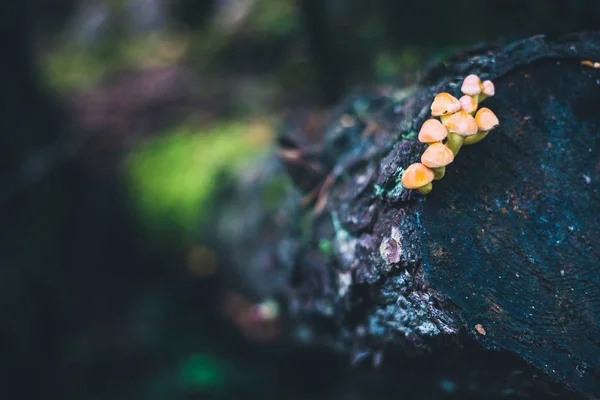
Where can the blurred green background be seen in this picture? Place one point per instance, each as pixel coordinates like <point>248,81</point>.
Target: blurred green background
<point>123,122</point>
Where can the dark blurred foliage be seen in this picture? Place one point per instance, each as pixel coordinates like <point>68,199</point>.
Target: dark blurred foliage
<point>343,38</point>
<point>52,15</point>
<point>193,13</point>
<point>86,311</point>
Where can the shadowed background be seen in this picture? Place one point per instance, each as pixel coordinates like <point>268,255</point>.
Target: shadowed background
<point>123,122</point>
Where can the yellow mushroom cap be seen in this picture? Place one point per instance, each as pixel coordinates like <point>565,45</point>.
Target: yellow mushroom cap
<point>468,104</point>
<point>444,103</point>
<point>471,85</point>
<point>437,155</point>
<point>416,176</point>
<point>461,123</point>
<point>432,131</point>
<point>486,119</point>
<point>488,88</point>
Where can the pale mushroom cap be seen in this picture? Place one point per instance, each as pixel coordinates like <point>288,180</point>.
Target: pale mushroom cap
<point>432,131</point>
<point>471,85</point>
<point>416,176</point>
<point>488,88</point>
<point>444,103</point>
<point>437,155</point>
<point>461,123</point>
<point>486,119</point>
<point>468,104</point>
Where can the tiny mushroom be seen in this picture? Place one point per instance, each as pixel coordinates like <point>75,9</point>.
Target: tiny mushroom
<point>432,131</point>
<point>468,104</point>
<point>460,126</point>
<point>436,157</point>
<point>471,85</point>
<point>444,105</point>
<point>486,120</point>
<point>418,176</point>
<point>488,88</point>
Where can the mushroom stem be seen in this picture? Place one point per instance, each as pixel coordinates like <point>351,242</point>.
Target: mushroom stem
<point>481,97</point>
<point>425,189</point>
<point>438,173</point>
<point>479,136</point>
<point>478,99</point>
<point>444,117</point>
<point>455,142</point>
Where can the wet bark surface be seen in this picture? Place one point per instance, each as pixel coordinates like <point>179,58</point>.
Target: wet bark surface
<point>510,232</point>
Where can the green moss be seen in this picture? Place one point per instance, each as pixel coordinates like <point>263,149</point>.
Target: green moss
<point>172,178</point>
<point>410,135</point>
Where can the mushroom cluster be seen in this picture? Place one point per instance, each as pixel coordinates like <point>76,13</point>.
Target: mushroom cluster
<point>459,124</point>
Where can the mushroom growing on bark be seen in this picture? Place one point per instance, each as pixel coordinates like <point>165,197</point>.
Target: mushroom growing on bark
<point>468,104</point>
<point>486,120</point>
<point>487,90</point>
<point>418,176</point>
<point>444,105</point>
<point>460,126</point>
<point>436,157</point>
<point>432,131</point>
<point>471,85</point>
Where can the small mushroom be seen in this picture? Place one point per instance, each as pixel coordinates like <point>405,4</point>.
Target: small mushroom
<point>436,157</point>
<point>432,131</point>
<point>488,88</point>
<point>486,120</point>
<point>471,85</point>
<point>444,105</point>
<point>460,126</point>
<point>468,104</point>
<point>418,176</point>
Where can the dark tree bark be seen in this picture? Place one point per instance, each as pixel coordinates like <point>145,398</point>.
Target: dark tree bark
<point>505,240</point>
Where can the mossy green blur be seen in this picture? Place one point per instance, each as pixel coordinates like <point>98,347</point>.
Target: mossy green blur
<point>72,67</point>
<point>204,373</point>
<point>172,178</point>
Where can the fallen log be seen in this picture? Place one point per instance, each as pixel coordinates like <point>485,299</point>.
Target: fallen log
<point>500,256</point>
